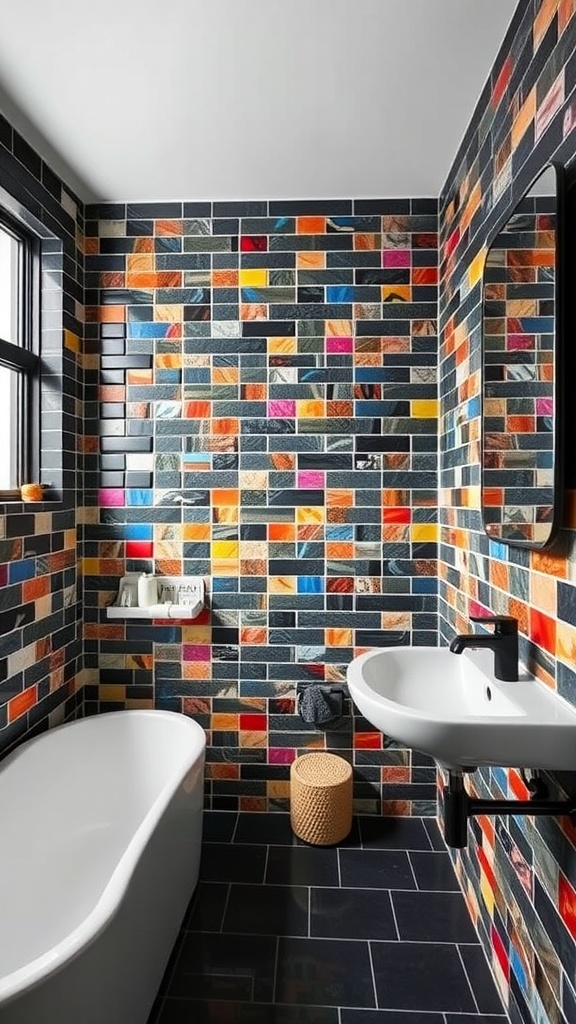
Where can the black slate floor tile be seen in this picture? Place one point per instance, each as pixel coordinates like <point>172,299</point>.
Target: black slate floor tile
<point>481,979</point>
<point>376,869</point>
<point>267,910</point>
<point>212,1011</point>
<point>302,865</point>
<point>389,1017</point>
<point>387,833</point>
<point>207,908</point>
<point>420,976</point>
<point>229,967</point>
<point>224,862</point>
<point>475,1018</point>
<point>219,826</point>
<point>351,914</point>
<point>264,828</point>
<point>432,917</point>
<point>435,833</point>
<point>324,972</point>
<point>434,872</point>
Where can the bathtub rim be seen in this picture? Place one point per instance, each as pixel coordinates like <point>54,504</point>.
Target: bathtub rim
<point>27,977</point>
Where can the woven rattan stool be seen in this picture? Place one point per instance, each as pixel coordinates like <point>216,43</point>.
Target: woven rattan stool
<point>321,798</point>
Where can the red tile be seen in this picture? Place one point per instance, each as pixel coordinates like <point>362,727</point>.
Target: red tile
<point>567,904</point>
<point>543,630</point>
<point>368,740</point>
<point>139,549</point>
<point>253,723</point>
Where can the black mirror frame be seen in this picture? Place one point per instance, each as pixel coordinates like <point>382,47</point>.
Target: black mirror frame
<point>559,360</point>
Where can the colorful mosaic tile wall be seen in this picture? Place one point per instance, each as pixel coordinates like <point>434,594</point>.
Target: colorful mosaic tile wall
<point>519,873</point>
<point>40,634</point>
<point>262,411</point>
<point>519,368</point>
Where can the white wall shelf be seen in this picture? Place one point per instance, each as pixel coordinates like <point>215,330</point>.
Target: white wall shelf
<point>171,597</point>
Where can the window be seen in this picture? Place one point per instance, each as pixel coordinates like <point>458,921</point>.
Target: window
<point>19,361</point>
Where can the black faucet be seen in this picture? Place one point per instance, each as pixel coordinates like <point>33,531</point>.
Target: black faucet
<point>503,641</point>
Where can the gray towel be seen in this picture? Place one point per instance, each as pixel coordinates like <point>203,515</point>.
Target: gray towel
<point>316,707</point>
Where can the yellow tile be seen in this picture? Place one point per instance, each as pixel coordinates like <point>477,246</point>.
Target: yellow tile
<point>424,532</point>
<point>89,566</point>
<point>487,894</point>
<point>108,691</point>
<point>254,278</point>
<point>424,408</point>
<point>471,497</point>
<point>225,567</point>
<point>524,118</point>
<point>284,346</point>
<point>312,514</point>
<point>196,634</point>
<point>282,584</point>
<point>476,268</point>
<point>225,549</point>
<point>308,408</point>
<point>71,341</point>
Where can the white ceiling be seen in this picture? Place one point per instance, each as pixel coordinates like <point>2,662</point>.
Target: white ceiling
<point>235,99</point>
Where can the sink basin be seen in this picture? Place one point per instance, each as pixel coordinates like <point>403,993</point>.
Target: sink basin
<point>451,707</point>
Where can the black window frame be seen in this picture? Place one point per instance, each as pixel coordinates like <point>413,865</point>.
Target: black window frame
<point>23,358</point>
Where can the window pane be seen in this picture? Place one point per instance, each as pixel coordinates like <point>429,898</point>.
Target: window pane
<point>9,428</point>
<point>9,286</point>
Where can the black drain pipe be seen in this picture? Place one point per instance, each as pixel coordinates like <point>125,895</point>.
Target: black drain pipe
<point>458,807</point>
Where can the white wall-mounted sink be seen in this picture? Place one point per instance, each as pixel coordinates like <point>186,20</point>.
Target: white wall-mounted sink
<point>451,707</point>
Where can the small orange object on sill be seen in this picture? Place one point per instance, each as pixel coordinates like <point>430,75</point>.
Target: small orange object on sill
<point>32,492</point>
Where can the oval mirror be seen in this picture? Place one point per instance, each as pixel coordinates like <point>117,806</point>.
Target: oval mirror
<point>521,464</point>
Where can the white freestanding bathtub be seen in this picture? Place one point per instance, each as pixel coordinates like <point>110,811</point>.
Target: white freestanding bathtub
<point>100,832</point>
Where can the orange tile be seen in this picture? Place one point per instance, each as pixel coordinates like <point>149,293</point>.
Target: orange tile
<point>224,426</point>
<point>543,630</point>
<point>255,392</point>
<point>254,635</point>
<point>339,408</point>
<point>311,225</point>
<point>311,260</point>
<point>143,245</point>
<point>424,275</point>
<point>227,723</point>
<point>368,740</point>
<point>228,497</point>
<point>566,11</point>
<point>196,531</point>
<point>197,410</point>
<point>22,703</point>
<point>168,227</point>
<point>554,565</point>
<point>364,241</point>
<point>253,311</point>
<point>338,637</point>
<point>282,460</point>
<point>222,771</point>
<point>520,611</point>
<point>525,117</point>
<point>281,531</point>
<point>542,20</point>
<point>339,498</point>
<point>115,279</point>
<point>33,589</point>
<point>225,278</point>
<point>339,550</point>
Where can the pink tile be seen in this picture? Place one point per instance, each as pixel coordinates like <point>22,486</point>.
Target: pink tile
<point>396,258</point>
<point>196,652</point>
<point>282,408</point>
<point>339,345</point>
<point>281,755</point>
<point>311,478</point>
<point>520,341</point>
<point>108,496</point>
<point>544,406</point>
